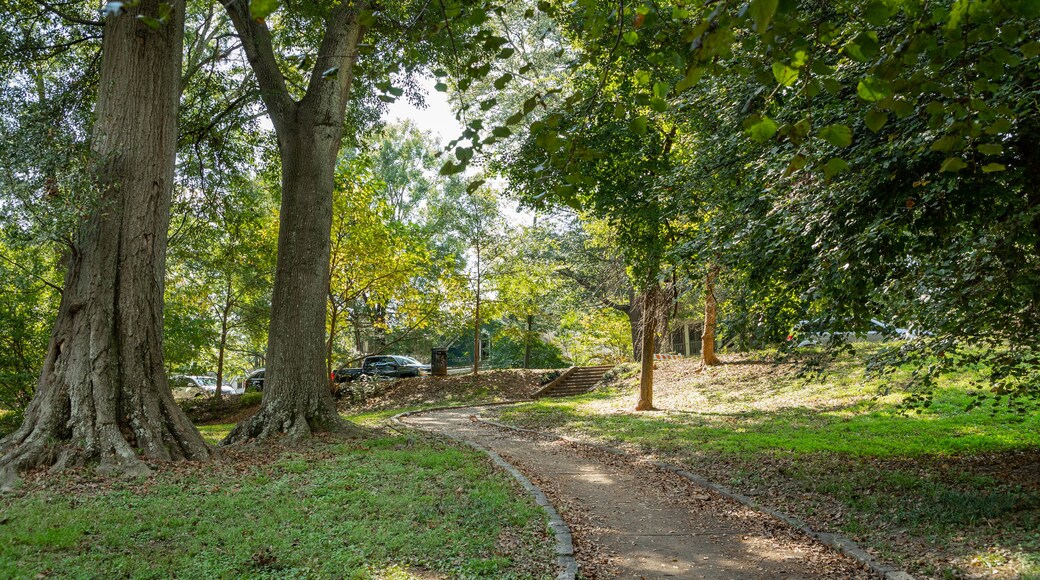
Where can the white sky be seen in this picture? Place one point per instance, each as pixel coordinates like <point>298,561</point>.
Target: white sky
<point>439,119</point>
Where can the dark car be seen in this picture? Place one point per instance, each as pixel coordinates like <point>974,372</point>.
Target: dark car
<point>254,381</point>
<point>389,366</point>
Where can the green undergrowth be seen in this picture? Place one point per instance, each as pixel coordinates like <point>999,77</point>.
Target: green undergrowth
<point>944,492</point>
<point>9,421</point>
<point>390,507</point>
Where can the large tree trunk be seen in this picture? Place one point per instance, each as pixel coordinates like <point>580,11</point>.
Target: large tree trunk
<point>297,401</point>
<point>103,394</point>
<point>646,376</point>
<point>710,312</point>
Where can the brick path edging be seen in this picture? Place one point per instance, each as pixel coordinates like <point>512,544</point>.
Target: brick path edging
<point>565,562</point>
<point>833,541</point>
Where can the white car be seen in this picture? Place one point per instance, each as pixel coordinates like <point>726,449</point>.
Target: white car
<point>188,386</point>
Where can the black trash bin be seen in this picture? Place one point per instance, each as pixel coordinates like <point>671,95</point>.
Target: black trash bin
<point>439,362</point>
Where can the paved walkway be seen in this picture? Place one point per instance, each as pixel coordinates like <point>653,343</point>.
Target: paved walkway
<point>631,520</point>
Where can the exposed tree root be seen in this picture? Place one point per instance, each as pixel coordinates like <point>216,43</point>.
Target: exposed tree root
<point>292,424</point>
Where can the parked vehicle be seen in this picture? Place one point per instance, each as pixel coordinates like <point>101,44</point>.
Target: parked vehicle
<point>254,381</point>
<point>189,386</point>
<point>877,332</point>
<point>383,366</point>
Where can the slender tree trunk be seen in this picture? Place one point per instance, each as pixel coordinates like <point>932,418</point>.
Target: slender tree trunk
<point>710,307</point>
<point>527,342</point>
<point>222,348</point>
<point>102,394</point>
<point>225,314</point>
<point>635,324</point>
<point>476,322</point>
<point>333,330</point>
<point>646,376</point>
<point>297,401</point>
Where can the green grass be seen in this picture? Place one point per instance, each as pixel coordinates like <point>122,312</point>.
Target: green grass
<point>375,508</point>
<point>944,481</point>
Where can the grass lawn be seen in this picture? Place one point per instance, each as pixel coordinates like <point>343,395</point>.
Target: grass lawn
<point>388,507</point>
<point>945,493</point>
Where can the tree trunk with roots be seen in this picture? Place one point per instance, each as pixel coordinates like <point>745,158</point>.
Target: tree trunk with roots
<point>103,395</point>
<point>710,313</point>
<point>646,376</point>
<point>297,401</point>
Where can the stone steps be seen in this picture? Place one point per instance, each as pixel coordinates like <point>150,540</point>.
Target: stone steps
<point>576,381</point>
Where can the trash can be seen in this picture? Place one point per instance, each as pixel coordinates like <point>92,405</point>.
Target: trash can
<point>439,362</point>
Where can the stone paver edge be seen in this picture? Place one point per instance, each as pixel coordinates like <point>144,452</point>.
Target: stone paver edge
<point>565,561</point>
<point>834,541</point>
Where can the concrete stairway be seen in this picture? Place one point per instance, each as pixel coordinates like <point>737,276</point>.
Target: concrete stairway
<point>575,381</point>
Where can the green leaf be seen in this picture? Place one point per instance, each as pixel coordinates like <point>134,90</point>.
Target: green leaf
<point>873,89</point>
<point>863,48</point>
<point>999,127</point>
<point>761,12</point>
<point>631,37</point>
<point>875,120</point>
<point>991,149</point>
<point>661,89</point>
<point>475,185</point>
<point>837,135</point>
<point>638,125</point>
<point>153,23</point>
<point>502,81</point>
<point>760,129</point>
<point>993,168</point>
<point>261,9</point>
<point>450,168</point>
<point>952,164</point>
<point>784,74</point>
<point>440,87</point>
<point>798,162</point>
<point>367,18</point>
<point>1030,49</point>
<point>501,132</point>
<point>878,12</point>
<point>835,166</point>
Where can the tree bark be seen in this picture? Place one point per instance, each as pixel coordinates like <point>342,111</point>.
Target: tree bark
<point>103,395</point>
<point>710,312</point>
<point>635,324</point>
<point>225,316</point>
<point>646,376</point>
<point>527,342</point>
<point>297,401</point>
<point>476,322</point>
<point>331,340</point>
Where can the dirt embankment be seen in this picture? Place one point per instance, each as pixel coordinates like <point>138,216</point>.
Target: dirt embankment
<point>487,387</point>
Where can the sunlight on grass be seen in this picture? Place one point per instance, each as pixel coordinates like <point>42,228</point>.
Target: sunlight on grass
<point>214,434</point>
<point>390,507</point>
<point>832,445</point>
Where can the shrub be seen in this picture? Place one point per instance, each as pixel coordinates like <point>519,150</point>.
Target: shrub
<point>249,399</point>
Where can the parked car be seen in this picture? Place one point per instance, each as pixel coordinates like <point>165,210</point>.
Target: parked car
<point>188,386</point>
<point>387,366</point>
<point>254,381</point>
<point>878,331</point>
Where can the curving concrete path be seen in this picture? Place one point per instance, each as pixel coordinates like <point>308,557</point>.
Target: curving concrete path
<point>636,521</point>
